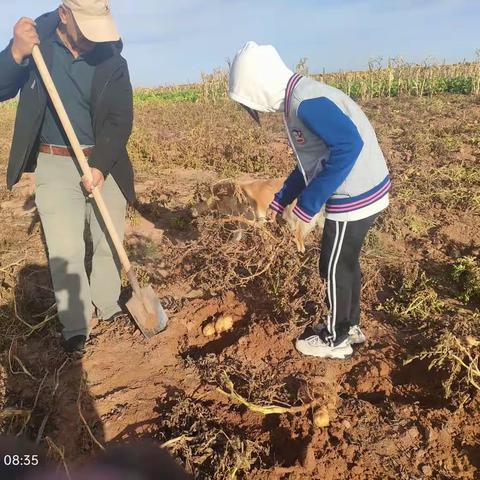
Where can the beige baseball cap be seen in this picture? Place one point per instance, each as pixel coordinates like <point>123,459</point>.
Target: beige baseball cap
<point>94,19</point>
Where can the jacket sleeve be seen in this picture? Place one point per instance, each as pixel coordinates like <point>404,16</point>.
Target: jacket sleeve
<point>115,132</point>
<point>12,75</point>
<point>325,119</point>
<point>291,189</point>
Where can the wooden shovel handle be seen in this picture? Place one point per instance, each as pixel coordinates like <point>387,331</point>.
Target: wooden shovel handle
<point>72,137</point>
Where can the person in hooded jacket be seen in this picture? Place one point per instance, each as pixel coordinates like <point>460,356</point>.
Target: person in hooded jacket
<point>81,46</point>
<point>340,166</point>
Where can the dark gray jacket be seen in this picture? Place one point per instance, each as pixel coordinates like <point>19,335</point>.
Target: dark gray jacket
<point>111,108</point>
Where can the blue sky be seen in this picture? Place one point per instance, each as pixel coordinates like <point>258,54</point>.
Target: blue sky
<point>173,42</point>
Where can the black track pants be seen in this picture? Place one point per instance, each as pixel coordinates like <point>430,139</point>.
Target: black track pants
<point>340,267</point>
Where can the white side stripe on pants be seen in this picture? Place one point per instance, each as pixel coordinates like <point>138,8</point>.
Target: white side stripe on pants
<point>332,254</point>
<point>332,281</point>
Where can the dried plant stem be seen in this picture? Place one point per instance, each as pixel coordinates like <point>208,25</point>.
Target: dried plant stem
<point>37,396</point>
<point>41,324</point>
<point>17,316</point>
<point>45,313</point>
<point>32,328</point>
<point>42,429</point>
<point>14,264</point>
<point>175,441</point>
<point>24,369</point>
<point>60,453</point>
<point>15,412</point>
<point>264,410</point>
<point>252,223</point>
<point>269,263</point>
<point>56,376</point>
<point>473,371</point>
<point>82,418</point>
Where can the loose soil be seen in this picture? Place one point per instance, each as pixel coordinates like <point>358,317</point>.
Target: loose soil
<point>388,418</point>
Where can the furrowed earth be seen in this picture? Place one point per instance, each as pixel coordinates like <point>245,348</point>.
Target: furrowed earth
<point>404,406</point>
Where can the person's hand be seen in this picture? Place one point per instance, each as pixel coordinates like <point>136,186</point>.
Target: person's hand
<point>98,180</point>
<point>25,37</point>
<point>271,215</point>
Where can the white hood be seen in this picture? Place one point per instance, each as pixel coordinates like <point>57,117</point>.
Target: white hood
<point>258,78</point>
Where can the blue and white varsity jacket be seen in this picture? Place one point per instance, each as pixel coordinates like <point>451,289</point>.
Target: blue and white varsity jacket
<point>340,163</point>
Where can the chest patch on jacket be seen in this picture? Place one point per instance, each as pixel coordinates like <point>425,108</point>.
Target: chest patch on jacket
<point>299,137</point>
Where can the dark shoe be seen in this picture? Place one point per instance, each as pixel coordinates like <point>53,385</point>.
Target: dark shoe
<point>75,345</point>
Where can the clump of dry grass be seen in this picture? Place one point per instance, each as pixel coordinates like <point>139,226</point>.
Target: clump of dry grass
<point>415,297</point>
<point>264,260</point>
<point>220,263</point>
<point>205,136</point>
<point>255,384</point>
<point>457,355</point>
<point>208,447</point>
<point>451,186</point>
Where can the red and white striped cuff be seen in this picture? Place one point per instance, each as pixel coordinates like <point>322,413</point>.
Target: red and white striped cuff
<point>305,217</point>
<point>276,207</point>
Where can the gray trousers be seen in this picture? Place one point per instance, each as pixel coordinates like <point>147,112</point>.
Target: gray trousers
<point>65,210</point>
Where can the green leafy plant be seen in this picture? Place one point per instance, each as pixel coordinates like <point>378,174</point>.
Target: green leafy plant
<point>466,273</point>
<point>415,299</point>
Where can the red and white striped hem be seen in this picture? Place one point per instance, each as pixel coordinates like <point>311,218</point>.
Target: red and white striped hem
<point>277,207</point>
<point>348,207</point>
<point>301,214</point>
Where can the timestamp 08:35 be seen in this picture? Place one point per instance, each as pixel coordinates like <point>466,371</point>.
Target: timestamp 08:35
<point>20,460</point>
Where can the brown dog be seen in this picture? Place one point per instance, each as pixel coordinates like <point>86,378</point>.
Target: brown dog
<point>251,198</point>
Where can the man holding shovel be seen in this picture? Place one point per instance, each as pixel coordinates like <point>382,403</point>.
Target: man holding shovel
<point>81,47</point>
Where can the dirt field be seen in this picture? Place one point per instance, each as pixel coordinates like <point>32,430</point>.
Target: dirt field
<point>405,406</point>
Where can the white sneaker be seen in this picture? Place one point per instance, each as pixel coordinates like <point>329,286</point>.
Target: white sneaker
<point>356,336</point>
<point>316,347</point>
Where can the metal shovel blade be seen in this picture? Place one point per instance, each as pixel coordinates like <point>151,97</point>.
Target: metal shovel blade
<point>147,312</point>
